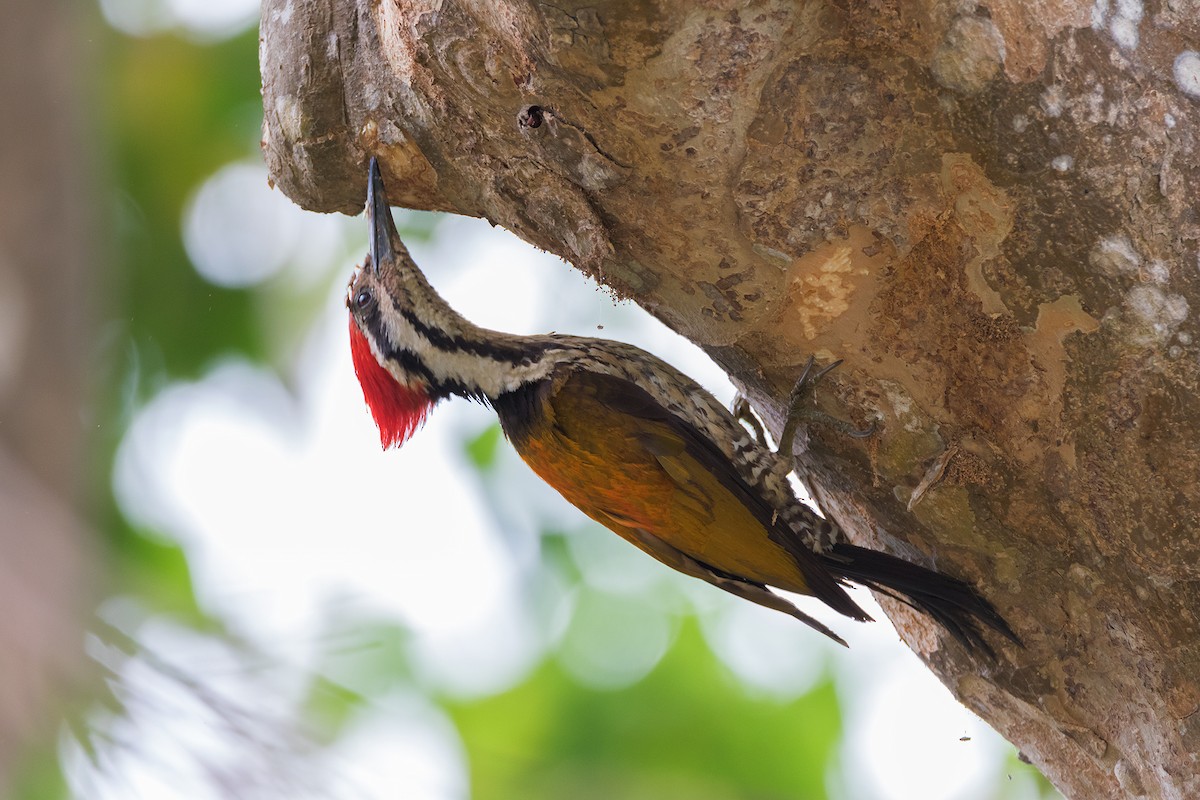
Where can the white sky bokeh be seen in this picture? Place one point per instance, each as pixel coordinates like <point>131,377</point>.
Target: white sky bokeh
<point>285,505</point>
<point>953,753</point>
<point>204,20</point>
<point>239,232</point>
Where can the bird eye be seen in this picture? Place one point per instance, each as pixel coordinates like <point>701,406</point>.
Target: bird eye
<point>363,298</point>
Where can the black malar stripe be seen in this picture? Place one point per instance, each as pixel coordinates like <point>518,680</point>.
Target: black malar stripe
<point>513,354</point>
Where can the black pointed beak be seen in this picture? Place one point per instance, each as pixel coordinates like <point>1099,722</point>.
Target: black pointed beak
<point>379,220</point>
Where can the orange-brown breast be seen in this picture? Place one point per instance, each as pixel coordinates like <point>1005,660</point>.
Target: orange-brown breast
<point>632,471</point>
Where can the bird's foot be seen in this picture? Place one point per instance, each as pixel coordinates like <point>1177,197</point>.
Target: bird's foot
<point>801,410</point>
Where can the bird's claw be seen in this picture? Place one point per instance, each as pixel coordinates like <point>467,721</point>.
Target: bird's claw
<point>799,411</point>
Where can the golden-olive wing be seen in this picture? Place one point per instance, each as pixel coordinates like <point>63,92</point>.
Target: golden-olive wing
<point>630,463</point>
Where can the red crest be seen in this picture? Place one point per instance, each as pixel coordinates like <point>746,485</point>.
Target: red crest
<point>398,409</point>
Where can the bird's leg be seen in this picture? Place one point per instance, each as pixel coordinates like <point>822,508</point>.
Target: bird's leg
<point>800,410</point>
<point>743,414</point>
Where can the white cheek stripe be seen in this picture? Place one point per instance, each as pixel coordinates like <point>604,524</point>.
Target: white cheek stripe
<point>492,377</point>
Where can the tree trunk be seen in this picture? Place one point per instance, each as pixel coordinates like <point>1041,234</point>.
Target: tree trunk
<point>45,340</point>
<point>988,212</point>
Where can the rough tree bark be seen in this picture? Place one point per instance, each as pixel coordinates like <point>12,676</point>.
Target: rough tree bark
<point>989,211</point>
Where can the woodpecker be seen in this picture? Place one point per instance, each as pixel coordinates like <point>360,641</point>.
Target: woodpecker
<point>631,442</point>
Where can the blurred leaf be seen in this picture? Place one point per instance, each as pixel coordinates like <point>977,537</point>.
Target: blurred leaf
<point>156,571</point>
<point>687,730</point>
<point>556,556</point>
<point>330,706</point>
<point>482,449</point>
<point>38,777</point>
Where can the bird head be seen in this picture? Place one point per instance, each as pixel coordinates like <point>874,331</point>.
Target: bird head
<point>396,383</point>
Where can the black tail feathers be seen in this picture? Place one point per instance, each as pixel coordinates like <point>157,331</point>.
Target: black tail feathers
<point>955,605</point>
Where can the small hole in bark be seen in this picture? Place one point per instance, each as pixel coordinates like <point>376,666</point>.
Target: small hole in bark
<point>531,117</point>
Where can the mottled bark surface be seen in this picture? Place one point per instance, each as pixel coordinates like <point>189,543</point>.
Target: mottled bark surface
<point>989,212</point>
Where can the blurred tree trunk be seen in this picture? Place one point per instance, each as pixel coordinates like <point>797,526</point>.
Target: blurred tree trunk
<point>989,212</point>
<point>45,263</point>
